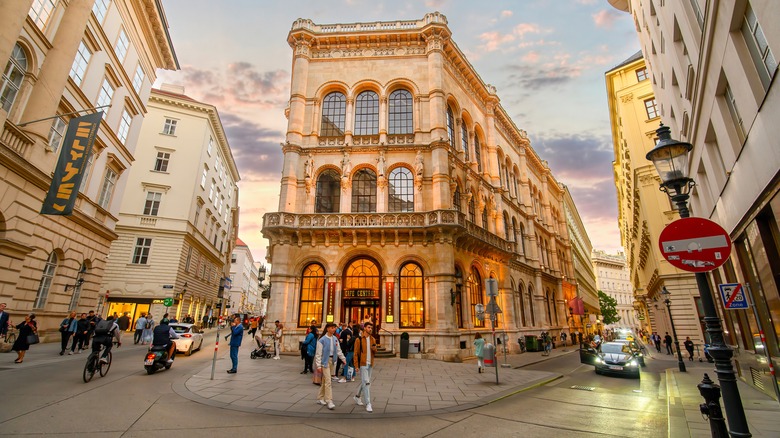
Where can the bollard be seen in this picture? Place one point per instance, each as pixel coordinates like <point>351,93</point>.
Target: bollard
<point>711,407</point>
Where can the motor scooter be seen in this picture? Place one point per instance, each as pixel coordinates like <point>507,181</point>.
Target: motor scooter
<point>157,358</point>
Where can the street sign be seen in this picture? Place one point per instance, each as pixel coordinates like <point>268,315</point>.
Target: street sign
<point>167,286</point>
<point>695,244</point>
<point>733,295</point>
<point>492,307</point>
<point>491,287</point>
<point>168,302</point>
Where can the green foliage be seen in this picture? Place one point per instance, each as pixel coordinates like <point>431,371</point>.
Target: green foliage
<point>608,308</point>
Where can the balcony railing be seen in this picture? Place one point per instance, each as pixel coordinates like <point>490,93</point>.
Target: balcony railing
<point>15,139</point>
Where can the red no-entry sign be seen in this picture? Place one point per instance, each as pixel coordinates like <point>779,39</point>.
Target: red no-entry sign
<point>695,244</point>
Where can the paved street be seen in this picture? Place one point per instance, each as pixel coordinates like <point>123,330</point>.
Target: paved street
<point>538,397</point>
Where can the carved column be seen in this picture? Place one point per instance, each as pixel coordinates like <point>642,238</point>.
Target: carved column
<point>383,120</point>
<point>349,120</point>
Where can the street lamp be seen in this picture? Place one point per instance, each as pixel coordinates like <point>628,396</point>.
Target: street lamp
<point>261,273</point>
<point>668,303</point>
<point>670,158</point>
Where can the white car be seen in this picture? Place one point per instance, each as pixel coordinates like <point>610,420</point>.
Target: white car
<point>190,338</point>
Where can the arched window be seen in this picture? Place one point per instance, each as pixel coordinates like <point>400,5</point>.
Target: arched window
<point>464,138</point>
<point>327,197</point>
<point>507,229</point>
<point>515,230</point>
<point>456,199</point>
<point>547,299</point>
<point>451,127</point>
<point>522,237</point>
<point>46,278</point>
<point>334,111</point>
<point>521,298</point>
<point>554,307</point>
<point>364,191</point>
<point>400,113</point>
<point>459,297</point>
<point>477,153</point>
<point>74,299</point>
<point>312,295</point>
<point>412,298</point>
<point>361,274</point>
<point>367,113</point>
<point>12,77</point>
<point>531,304</point>
<point>485,214</point>
<point>476,294</point>
<point>401,190</point>
<point>472,214</point>
<point>500,174</point>
<point>508,178</point>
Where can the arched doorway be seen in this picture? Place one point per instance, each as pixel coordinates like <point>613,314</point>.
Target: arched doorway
<point>361,287</point>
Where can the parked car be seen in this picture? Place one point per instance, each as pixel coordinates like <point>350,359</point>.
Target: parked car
<point>635,348</point>
<point>191,338</point>
<point>611,358</point>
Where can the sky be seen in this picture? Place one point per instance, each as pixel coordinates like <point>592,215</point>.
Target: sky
<point>547,59</point>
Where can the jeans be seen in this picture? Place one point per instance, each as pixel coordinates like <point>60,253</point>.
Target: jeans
<point>138,335</point>
<point>234,357</point>
<point>65,338</point>
<point>348,366</point>
<point>365,384</point>
<point>308,362</point>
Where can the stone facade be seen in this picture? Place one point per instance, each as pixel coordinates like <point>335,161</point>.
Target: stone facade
<point>584,280</point>
<point>405,186</point>
<point>62,59</point>
<point>612,278</point>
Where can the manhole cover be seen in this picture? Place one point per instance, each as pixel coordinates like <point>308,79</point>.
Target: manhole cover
<point>583,388</point>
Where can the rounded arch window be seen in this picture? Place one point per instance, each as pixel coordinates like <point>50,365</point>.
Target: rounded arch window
<point>367,113</point>
<point>364,191</point>
<point>477,295</point>
<point>412,296</point>
<point>451,127</point>
<point>49,270</point>
<point>401,190</point>
<point>400,112</point>
<point>13,74</point>
<point>312,295</point>
<point>334,111</point>
<point>328,193</point>
<point>362,273</point>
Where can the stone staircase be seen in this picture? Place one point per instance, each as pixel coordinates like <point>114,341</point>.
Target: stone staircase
<point>381,351</point>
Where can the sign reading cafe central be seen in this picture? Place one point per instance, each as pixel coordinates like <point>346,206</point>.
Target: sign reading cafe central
<point>70,167</point>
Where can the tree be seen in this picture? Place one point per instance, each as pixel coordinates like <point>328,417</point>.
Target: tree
<point>608,308</point>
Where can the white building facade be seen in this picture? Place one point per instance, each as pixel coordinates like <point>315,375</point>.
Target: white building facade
<point>612,278</point>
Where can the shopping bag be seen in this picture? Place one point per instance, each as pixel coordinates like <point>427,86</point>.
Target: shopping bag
<point>317,376</point>
<point>350,373</point>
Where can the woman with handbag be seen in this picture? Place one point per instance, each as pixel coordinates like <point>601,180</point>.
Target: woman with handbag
<point>28,334</point>
<point>67,329</point>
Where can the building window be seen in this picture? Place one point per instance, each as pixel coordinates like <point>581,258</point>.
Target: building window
<point>478,153</point>
<point>641,74</point>
<point>401,190</point>
<point>203,178</point>
<point>56,132</point>
<point>328,193</point>
<point>507,229</point>
<point>412,298</point>
<point>161,163</point>
<point>485,214</point>
<point>198,207</point>
<point>152,205</point>
<point>367,114</point>
<point>472,214</point>
<point>652,110</point>
<point>732,105</point>
<point>40,11</point>
<point>74,299</point>
<point>188,261</point>
<point>233,258</point>
<point>334,111</point>
<point>80,63</point>
<point>100,8</point>
<point>141,250</point>
<point>210,146</point>
<point>464,140</point>
<point>400,113</point>
<point>12,77</point>
<point>211,191</point>
<point>521,298</point>
<point>312,296</point>
<point>124,126</point>
<point>107,191</point>
<point>451,127</point>
<point>456,199</point>
<point>87,171</point>
<point>46,278</point>
<point>105,96</point>
<point>121,46</point>
<point>547,300</point>
<point>759,48</point>
<point>138,78</point>
<point>477,296</point>
<point>169,128</point>
<point>458,297</point>
<point>364,191</point>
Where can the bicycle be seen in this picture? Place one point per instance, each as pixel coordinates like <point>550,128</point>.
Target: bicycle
<point>10,336</point>
<point>94,365</point>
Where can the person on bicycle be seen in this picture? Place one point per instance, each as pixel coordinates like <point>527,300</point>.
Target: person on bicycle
<point>105,332</point>
<point>163,336</point>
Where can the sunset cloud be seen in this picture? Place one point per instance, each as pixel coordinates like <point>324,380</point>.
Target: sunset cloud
<point>605,18</point>
<point>495,40</point>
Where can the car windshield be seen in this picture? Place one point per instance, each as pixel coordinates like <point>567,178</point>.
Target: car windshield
<point>180,329</point>
<point>614,348</point>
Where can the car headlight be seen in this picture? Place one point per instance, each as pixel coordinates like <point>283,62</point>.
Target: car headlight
<point>632,363</point>
<point>598,360</point>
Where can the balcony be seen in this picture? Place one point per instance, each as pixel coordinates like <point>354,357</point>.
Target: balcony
<point>15,139</point>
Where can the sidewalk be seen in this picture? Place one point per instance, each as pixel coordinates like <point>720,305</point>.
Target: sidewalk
<point>400,387</point>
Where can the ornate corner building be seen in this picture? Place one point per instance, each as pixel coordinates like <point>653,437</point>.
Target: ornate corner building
<point>405,186</point>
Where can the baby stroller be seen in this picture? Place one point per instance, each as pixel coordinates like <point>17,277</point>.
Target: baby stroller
<point>261,351</point>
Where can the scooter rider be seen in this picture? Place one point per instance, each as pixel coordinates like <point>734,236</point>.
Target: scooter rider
<point>163,336</point>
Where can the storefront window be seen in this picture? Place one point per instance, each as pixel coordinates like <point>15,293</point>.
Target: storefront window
<point>476,295</point>
<point>312,295</point>
<point>412,302</point>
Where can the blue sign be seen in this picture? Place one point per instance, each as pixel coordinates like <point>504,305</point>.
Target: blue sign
<point>733,295</point>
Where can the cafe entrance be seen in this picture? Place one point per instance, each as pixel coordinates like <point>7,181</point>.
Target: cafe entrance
<point>360,296</point>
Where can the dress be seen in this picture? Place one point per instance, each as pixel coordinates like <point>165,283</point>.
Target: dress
<point>21,339</point>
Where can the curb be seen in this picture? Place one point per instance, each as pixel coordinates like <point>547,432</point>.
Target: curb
<point>546,358</point>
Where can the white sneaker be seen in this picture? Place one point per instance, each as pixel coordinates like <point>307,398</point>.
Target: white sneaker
<point>321,402</point>
<point>331,406</point>
<point>276,358</point>
<point>342,380</point>
<point>358,401</point>
<point>69,353</point>
<point>170,360</point>
<point>369,408</point>
<point>103,360</point>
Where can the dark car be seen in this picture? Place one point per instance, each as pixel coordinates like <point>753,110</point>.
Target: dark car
<point>638,351</point>
<point>611,358</point>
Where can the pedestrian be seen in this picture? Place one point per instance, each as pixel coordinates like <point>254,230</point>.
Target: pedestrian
<point>147,334</point>
<point>211,322</point>
<point>347,340</point>
<point>92,319</point>
<point>689,346</point>
<point>27,329</point>
<point>4,320</point>
<point>657,341</point>
<point>327,351</point>
<point>563,338</point>
<point>123,322</point>
<point>278,333</point>
<point>140,325</point>
<point>252,327</point>
<point>310,349</point>
<point>67,330</point>
<point>668,343</point>
<point>82,331</point>
<point>236,337</point>
<point>205,321</point>
<point>479,345</point>
<point>363,361</point>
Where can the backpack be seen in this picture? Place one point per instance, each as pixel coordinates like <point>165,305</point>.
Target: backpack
<point>148,324</point>
<point>103,327</point>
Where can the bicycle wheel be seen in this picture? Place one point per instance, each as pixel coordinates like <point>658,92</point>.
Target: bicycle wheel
<point>104,367</point>
<point>90,367</point>
<point>11,338</point>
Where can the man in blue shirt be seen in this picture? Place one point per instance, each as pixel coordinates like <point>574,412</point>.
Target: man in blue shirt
<point>236,337</point>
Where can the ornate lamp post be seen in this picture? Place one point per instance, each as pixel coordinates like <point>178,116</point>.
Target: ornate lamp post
<point>670,158</point>
<point>668,303</point>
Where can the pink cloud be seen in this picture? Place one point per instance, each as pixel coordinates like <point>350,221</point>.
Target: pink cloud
<point>492,40</point>
<point>506,14</point>
<point>523,28</point>
<point>531,57</point>
<point>605,18</point>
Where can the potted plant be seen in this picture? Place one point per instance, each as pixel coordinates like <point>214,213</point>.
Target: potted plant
<point>404,345</point>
